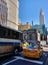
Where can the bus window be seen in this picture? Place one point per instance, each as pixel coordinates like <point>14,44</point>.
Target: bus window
<point>21,36</point>
<point>11,34</point>
<point>6,33</point>
<point>17,35</point>
<point>14,35</point>
<point>2,33</point>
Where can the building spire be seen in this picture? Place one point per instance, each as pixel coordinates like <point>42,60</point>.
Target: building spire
<point>41,17</point>
<point>32,23</point>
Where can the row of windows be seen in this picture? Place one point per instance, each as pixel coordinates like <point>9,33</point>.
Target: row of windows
<point>3,8</point>
<point>34,37</point>
<point>3,1</point>
<point>5,33</point>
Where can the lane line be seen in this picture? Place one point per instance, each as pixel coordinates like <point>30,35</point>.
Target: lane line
<point>10,61</point>
<point>33,61</point>
<point>45,54</point>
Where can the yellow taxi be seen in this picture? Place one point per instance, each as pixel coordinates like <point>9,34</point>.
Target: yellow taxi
<point>32,51</point>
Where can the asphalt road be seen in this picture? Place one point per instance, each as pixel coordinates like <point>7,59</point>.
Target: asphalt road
<point>20,60</point>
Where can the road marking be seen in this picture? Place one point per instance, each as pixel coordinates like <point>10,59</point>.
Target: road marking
<point>34,61</point>
<point>10,61</point>
<point>45,54</point>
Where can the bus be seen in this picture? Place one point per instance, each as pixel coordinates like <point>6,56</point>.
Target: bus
<point>10,40</point>
<point>32,35</point>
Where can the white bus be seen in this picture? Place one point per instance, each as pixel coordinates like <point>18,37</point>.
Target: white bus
<point>10,40</point>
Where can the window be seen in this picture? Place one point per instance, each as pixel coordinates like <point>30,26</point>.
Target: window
<point>6,33</point>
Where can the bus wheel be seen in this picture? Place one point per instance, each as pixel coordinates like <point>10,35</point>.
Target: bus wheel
<point>16,52</point>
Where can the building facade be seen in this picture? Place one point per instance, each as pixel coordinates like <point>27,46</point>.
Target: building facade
<point>3,12</point>
<point>24,26</point>
<point>13,6</point>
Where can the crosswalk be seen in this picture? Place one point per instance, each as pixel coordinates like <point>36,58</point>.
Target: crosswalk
<point>37,62</point>
<point>10,62</point>
<point>33,61</point>
<point>25,59</point>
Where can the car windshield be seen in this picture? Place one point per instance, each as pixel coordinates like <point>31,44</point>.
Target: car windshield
<point>33,46</point>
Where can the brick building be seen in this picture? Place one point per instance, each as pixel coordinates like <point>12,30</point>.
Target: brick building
<point>24,26</point>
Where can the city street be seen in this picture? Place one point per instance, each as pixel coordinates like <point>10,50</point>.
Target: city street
<point>23,32</point>
<point>18,60</point>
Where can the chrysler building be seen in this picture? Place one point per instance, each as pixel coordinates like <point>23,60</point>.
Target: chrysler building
<point>41,17</point>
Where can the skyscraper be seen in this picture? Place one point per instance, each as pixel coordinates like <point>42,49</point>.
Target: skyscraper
<point>41,17</point>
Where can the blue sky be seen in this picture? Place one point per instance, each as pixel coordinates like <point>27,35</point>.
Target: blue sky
<point>30,9</point>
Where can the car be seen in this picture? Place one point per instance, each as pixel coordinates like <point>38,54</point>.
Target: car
<point>32,51</point>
